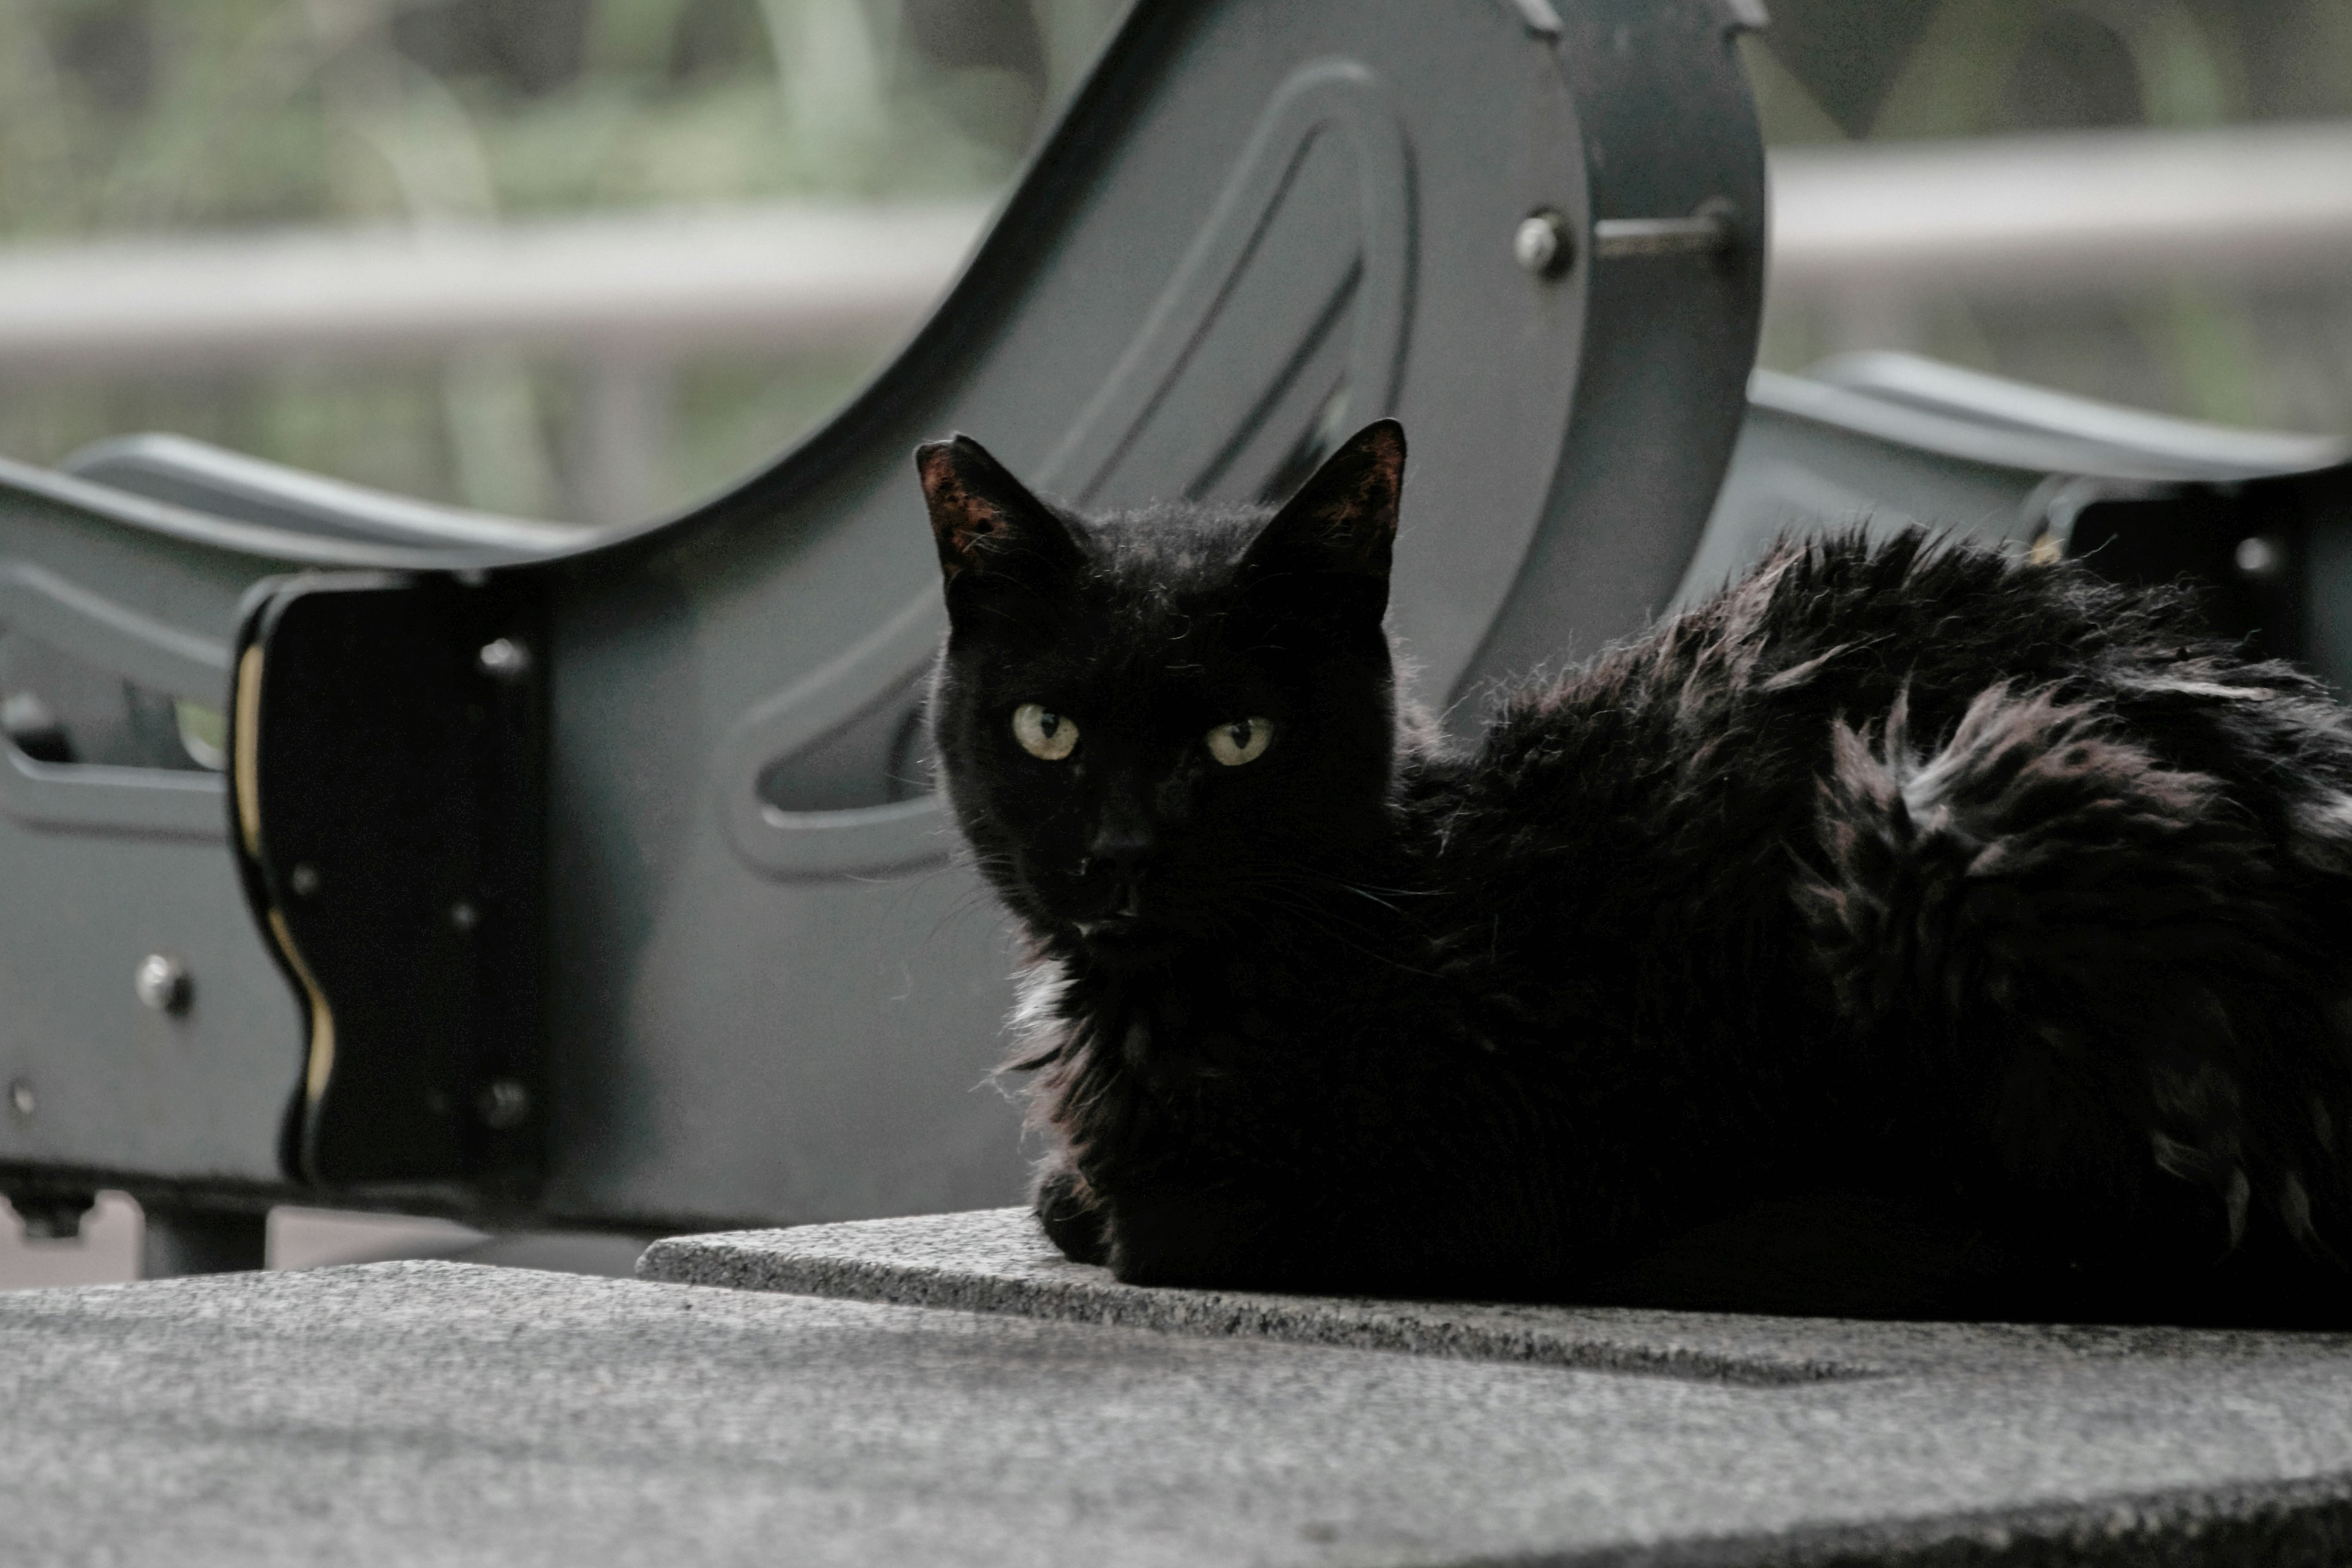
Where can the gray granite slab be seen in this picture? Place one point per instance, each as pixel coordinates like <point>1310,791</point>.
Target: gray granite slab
<point>997,1261</point>
<point>435,1413</point>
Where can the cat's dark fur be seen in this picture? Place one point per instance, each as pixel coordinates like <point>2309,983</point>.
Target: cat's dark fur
<point>1908,929</point>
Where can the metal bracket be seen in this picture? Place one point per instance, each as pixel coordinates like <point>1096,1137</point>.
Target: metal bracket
<point>388,784</point>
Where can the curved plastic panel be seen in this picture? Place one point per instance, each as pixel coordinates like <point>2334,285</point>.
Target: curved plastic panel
<point>1305,259</point>
<point>99,631</point>
<point>1991,418</point>
<point>106,867</point>
<point>386,737</point>
<point>212,479</point>
<point>898,836</point>
<point>1276,229</point>
<point>133,801</point>
<point>256,548</point>
<point>1261,224</point>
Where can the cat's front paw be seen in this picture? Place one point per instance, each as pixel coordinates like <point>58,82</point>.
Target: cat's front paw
<point>1071,1220</point>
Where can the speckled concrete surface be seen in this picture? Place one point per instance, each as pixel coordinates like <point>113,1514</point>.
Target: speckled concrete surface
<point>439,1413</point>
<point>997,1261</point>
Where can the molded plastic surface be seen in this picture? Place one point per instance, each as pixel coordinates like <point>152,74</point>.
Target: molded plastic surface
<point>771,994</point>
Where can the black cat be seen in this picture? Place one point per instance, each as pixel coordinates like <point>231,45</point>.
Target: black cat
<point>1908,930</point>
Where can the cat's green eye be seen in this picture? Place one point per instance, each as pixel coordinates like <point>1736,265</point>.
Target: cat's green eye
<point>1051,736</point>
<point>1243,740</point>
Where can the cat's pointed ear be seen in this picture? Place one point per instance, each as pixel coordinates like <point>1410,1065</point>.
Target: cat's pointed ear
<point>1344,519</point>
<point>987,525</point>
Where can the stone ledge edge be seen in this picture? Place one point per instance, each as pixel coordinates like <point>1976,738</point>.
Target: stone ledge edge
<point>711,1261</point>
<point>2308,1520</point>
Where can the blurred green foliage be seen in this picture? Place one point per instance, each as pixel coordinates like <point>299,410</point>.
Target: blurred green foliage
<point>2276,354</point>
<point>137,116</point>
<point>134,115</point>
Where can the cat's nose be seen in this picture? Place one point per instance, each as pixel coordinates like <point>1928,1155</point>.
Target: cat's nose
<point>1122,841</point>
<point>1119,862</point>
<point>1122,845</point>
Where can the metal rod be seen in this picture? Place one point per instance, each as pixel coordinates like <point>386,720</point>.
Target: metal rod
<point>1697,235</point>
<point>2019,216</point>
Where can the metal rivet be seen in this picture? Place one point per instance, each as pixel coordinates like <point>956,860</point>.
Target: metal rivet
<point>1746,17</point>
<point>1541,244</point>
<point>303,879</point>
<point>163,983</point>
<point>20,1099</point>
<point>2260,556</point>
<point>504,658</point>
<point>504,1103</point>
<point>464,915</point>
<point>1541,19</point>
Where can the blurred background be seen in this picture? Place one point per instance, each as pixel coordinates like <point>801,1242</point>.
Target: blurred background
<point>587,260</point>
<point>2146,201</point>
<point>577,260</point>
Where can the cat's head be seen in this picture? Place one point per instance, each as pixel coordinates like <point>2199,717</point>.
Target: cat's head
<point>1165,725</point>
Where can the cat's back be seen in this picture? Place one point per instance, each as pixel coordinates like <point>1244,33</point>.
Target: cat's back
<point>1668,786</point>
<point>1736,694</point>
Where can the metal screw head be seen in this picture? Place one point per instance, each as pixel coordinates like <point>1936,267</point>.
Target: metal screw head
<point>20,1099</point>
<point>1541,245</point>
<point>503,658</point>
<point>163,983</point>
<point>303,879</point>
<point>504,1104</point>
<point>1746,17</point>
<point>2260,557</point>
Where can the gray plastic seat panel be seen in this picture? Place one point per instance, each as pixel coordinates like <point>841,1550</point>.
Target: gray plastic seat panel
<point>102,866</point>
<point>1892,439</point>
<point>2102,439</point>
<point>767,1012</point>
<point>211,479</point>
<point>1261,225</point>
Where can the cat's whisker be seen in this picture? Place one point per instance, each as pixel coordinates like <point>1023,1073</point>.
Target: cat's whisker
<point>1321,920</point>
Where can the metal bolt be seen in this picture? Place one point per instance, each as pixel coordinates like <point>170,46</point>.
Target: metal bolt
<point>1541,244</point>
<point>20,1099</point>
<point>1746,17</point>
<point>2260,557</point>
<point>1541,20</point>
<point>504,1104</point>
<point>303,879</point>
<point>464,915</point>
<point>163,983</point>
<point>503,658</point>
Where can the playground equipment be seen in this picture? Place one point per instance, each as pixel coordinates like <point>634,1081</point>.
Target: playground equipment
<point>356,851</point>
